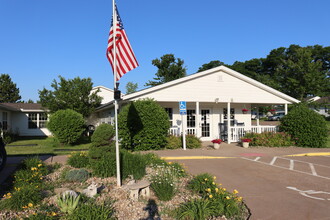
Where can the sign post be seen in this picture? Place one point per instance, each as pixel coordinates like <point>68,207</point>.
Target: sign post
<point>183,112</point>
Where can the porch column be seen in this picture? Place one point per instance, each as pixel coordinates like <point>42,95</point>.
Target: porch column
<point>285,108</point>
<point>257,117</point>
<point>228,123</point>
<point>197,120</point>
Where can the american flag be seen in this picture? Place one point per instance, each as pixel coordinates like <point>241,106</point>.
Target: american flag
<point>125,58</point>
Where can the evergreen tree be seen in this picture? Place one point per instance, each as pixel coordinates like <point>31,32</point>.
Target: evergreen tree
<point>8,90</point>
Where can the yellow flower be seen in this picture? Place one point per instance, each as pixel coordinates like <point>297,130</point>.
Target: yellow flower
<point>205,179</point>
<point>214,177</point>
<point>224,189</point>
<point>239,199</point>
<point>30,205</point>
<point>24,207</point>
<point>227,197</point>
<point>208,189</point>
<point>210,196</point>
<point>53,214</point>
<point>216,189</point>
<point>213,183</point>
<point>39,165</point>
<point>169,163</point>
<point>33,168</point>
<point>235,191</point>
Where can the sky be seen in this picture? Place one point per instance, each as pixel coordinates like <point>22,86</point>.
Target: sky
<point>43,39</point>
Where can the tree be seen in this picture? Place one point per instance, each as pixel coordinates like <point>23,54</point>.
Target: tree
<point>210,65</point>
<point>72,94</point>
<point>131,87</point>
<point>169,68</point>
<point>300,76</point>
<point>8,90</point>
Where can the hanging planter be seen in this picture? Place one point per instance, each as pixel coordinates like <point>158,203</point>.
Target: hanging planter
<point>245,111</point>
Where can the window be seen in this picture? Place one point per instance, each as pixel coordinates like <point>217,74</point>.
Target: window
<point>170,115</point>
<point>232,113</point>
<point>4,121</point>
<point>37,120</point>
<point>42,120</point>
<point>33,120</point>
<point>191,118</point>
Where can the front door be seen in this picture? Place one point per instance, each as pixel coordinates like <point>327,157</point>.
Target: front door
<point>205,122</point>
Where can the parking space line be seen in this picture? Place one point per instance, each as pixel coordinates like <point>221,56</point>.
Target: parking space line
<point>257,158</point>
<point>305,162</point>
<point>273,161</point>
<point>313,169</point>
<point>298,171</point>
<point>291,164</point>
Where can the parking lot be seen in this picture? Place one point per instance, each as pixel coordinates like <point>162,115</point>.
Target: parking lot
<point>279,183</point>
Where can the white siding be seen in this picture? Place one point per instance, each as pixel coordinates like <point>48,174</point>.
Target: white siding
<point>218,85</point>
<point>20,120</point>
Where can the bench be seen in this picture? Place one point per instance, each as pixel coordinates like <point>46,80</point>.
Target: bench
<point>139,189</point>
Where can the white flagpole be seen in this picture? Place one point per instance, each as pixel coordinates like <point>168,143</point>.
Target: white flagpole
<point>114,27</point>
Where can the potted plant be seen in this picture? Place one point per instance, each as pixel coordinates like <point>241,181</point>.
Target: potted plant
<point>244,110</point>
<point>246,142</point>
<point>216,143</point>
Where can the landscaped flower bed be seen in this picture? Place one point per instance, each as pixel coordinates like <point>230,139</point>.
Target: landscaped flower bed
<point>37,194</point>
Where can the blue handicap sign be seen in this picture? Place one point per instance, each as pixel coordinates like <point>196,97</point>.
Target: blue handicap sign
<point>183,108</point>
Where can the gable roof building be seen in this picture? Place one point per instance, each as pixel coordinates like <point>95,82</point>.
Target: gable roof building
<point>209,95</point>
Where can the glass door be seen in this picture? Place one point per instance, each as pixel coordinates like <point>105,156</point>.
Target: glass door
<point>205,121</point>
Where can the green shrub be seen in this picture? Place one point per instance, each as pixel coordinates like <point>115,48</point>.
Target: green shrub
<point>92,211</point>
<point>105,165</point>
<point>270,139</point>
<point>10,136</point>
<point>80,175</point>
<point>143,125</point>
<point>78,159</point>
<point>307,127</point>
<point>103,135</point>
<point>25,197</point>
<point>193,142</point>
<point>66,125</point>
<point>197,209</point>
<point>132,164</point>
<point>173,142</point>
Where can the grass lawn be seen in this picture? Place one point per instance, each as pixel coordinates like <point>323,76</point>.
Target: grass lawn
<point>42,146</point>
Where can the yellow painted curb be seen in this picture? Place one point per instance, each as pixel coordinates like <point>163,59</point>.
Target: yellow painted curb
<point>193,158</point>
<point>310,154</point>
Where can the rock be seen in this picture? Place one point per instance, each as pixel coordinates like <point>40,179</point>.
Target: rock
<point>71,193</point>
<point>91,190</point>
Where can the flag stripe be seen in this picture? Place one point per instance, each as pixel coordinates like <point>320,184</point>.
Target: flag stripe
<point>125,58</point>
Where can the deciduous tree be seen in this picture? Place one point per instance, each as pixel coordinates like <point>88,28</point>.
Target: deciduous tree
<point>169,68</point>
<point>72,94</point>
